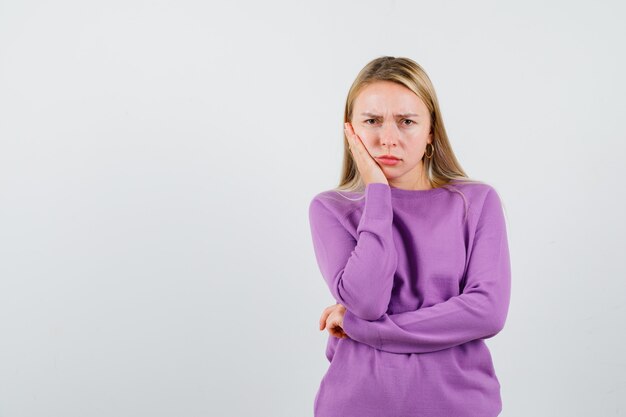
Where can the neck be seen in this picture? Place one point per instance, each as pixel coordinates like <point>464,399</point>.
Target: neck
<point>412,183</point>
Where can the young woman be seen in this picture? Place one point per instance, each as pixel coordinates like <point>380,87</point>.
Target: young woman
<point>416,256</point>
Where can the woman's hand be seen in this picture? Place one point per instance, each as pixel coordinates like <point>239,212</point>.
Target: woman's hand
<point>332,319</point>
<point>368,167</point>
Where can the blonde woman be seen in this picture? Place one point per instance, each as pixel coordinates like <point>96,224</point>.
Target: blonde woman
<point>416,256</point>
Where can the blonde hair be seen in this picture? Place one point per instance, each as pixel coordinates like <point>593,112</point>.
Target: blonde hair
<point>443,167</point>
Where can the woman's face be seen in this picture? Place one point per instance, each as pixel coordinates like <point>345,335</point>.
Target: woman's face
<point>391,120</point>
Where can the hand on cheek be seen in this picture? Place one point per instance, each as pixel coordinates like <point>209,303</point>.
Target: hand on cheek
<point>367,166</point>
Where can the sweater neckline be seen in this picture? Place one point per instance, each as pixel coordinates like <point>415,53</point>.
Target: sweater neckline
<point>402,193</point>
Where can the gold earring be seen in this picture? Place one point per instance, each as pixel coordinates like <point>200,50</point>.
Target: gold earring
<point>432,147</point>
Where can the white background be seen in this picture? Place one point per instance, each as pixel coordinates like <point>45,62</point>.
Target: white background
<point>157,160</point>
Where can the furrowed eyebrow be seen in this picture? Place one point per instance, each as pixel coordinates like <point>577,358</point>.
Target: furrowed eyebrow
<point>397,115</point>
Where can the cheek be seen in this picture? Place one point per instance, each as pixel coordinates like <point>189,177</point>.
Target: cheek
<point>413,151</point>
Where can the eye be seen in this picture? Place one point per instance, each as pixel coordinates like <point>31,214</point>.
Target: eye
<point>368,121</point>
<point>407,120</point>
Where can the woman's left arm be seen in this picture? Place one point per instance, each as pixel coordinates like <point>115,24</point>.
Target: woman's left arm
<point>478,312</point>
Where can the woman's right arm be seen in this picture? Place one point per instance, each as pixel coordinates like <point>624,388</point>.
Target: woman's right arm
<point>360,272</point>
<point>478,312</point>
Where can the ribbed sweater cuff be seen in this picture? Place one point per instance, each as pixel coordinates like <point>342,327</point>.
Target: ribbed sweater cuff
<point>360,330</point>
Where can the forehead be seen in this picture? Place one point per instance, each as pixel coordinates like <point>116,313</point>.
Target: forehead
<point>382,96</point>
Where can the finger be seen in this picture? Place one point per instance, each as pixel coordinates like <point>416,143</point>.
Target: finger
<point>348,136</point>
<point>322,321</point>
<point>355,138</point>
<point>350,133</point>
<point>357,145</point>
<point>361,151</point>
<point>354,144</point>
<point>337,332</point>
<point>352,136</point>
<point>331,325</point>
<point>333,332</point>
<point>327,311</point>
<point>349,128</point>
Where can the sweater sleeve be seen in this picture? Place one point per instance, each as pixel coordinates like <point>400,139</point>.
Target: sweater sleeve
<point>359,272</point>
<point>479,312</point>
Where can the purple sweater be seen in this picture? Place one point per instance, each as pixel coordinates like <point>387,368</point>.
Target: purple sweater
<point>423,287</point>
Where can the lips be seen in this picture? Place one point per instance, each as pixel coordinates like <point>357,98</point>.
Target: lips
<point>390,157</point>
<point>390,161</point>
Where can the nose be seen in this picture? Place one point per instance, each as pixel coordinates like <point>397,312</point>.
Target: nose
<point>389,135</point>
